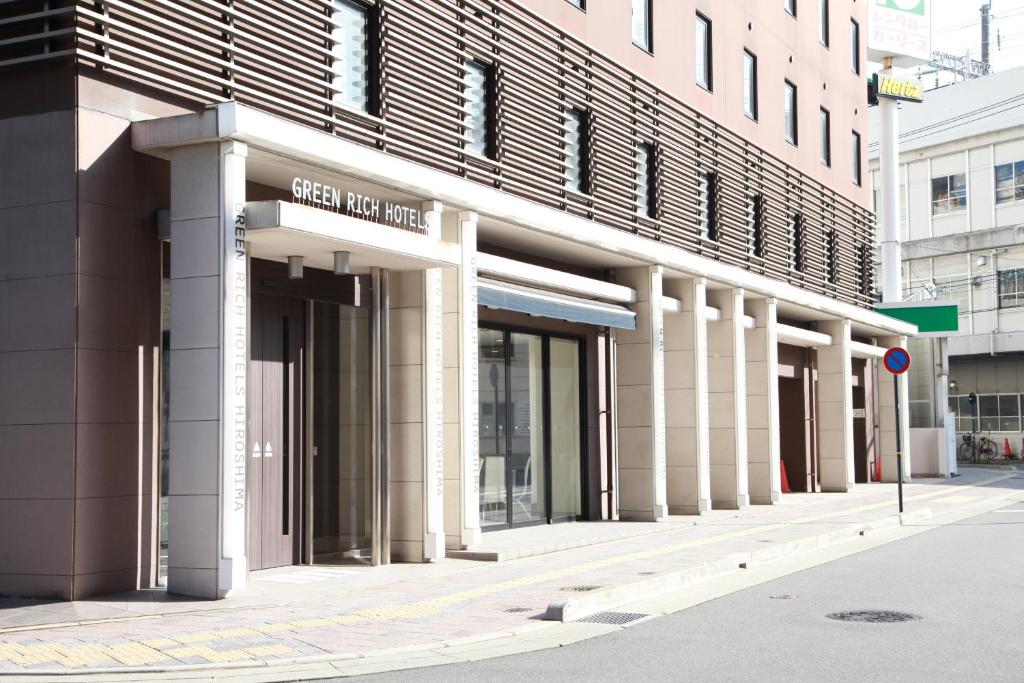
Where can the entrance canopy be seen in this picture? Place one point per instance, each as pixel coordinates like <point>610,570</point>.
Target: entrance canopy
<point>509,297</point>
<point>278,229</point>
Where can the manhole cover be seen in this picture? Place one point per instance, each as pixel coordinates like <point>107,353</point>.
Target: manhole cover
<point>578,589</point>
<point>516,610</point>
<point>784,597</point>
<point>612,617</point>
<point>873,616</point>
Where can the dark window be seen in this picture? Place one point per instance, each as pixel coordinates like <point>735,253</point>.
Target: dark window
<point>789,100</point>
<point>577,150</point>
<point>1010,182</point>
<point>855,46</point>
<point>707,198</point>
<point>855,142</point>
<point>479,92</point>
<point>350,55</point>
<point>645,180</point>
<point>703,54</point>
<point>831,256</point>
<point>750,84</point>
<point>823,22</point>
<point>796,243</point>
<point>790,6</point>
<point>578,3</point>
<point>642,24</point>
<point>865,270</point>
<point>825,136</point>
<point>1011,288</point>
<point>949,194</point>
<point>755,224</point>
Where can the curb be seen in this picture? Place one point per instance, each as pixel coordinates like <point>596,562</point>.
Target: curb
<point>577,607</point>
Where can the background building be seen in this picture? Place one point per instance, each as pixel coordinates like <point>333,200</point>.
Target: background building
<point>962,164</point>
<point>325,280</point>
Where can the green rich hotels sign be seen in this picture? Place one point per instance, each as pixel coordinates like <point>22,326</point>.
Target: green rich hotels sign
<point>933,318</point>
<point>910,6</point>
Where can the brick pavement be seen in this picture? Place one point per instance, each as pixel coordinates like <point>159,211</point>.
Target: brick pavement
<point>352,613</point>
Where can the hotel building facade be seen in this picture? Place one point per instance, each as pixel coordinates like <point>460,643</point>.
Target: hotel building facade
<point>318,281</point>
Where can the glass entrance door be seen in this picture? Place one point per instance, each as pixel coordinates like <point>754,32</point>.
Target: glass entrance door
<point>530,428</point>
<point>341,480</point>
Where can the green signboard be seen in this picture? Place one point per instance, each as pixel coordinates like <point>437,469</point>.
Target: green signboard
<point>933,318</point>
<point>910,6</point>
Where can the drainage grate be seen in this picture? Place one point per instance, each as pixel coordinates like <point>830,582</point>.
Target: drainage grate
<point>578,589</point>
<point>646,573</point>
<point>784,596</point>
<point>612,618</point>
<point>516,610</point>
<point>873,616</point>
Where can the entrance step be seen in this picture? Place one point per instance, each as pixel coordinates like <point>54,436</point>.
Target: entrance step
<point>513,544</point>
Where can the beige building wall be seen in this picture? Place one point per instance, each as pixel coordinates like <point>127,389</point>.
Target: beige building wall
<point>762,366</point>
<point>727,401</point>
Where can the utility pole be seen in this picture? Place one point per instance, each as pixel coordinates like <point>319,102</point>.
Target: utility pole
<point>986,16</point>
<point>889,168</point>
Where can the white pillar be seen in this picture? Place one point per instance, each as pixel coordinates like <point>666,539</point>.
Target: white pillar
<point>207,426</point>
<point>887,415</point>
<point>686,399</point>
<point>640,381</point>
<point>763,449</point>
<point>835,408</point>
<point>727,401</point>
<point>889,168</point>
<point>469,389</point>
<point>434,396</point>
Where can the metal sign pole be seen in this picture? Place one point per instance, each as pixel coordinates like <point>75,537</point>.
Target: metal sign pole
<point>899,446</point>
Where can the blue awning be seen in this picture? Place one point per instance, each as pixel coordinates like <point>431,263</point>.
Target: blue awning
<point>508,297</point>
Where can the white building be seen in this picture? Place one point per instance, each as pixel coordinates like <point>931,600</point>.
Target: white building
<point>962,226</point>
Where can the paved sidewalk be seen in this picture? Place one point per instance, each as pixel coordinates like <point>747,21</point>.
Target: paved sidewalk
<point>311,615</point>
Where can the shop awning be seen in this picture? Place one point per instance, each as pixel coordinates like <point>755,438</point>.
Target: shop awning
<point>509,297</point>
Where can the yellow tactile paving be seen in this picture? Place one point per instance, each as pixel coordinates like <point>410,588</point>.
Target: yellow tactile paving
<point>146,652</point>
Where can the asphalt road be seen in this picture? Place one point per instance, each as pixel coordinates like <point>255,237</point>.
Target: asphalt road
<point>965,580</point>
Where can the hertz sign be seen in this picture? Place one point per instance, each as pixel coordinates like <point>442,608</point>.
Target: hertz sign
<point>895,88</point>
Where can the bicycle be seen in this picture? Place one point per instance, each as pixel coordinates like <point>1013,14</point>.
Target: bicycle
<point>974,448</point>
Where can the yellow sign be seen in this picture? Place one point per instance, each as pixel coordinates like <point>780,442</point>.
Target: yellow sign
<point>900,89</point>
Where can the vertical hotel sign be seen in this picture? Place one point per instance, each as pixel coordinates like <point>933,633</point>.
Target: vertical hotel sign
<point>901,29</point>
<point>234,366</point>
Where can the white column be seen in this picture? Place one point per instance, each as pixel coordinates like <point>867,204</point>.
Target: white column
<point>434,397</point>
<point>889,169</point>
<point>887,415</point>
<point>727,401</point>
<point>640,411</point>
<point>469,390</point>
<point>686,399</point>
<point>835,408</point>
<point>763,450</point>
<point>207,430</point>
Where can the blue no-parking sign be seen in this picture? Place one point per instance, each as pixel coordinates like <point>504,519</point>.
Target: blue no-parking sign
<point>897,360</point>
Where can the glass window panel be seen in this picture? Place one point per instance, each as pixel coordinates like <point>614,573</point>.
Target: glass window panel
<point>990,424</point>
<point>642,23</point>
<point>574,119</point>
<point>823,22</point>
<point>988,405</point>
<point>644,179</point>
<point>855,143</point>
<point>854,46</point>
<point>493,419</point>
<point>350,54</point>
<point>789,99</point>
<point>1009,424</point>
<point>750,85</point>
<point>564,378</point>
<point>526,429</point>
<point>477,107</point>
<point>790,6</point>
<point>702,44</point>
<point>1004,175</point>
<point>1008,405</point>
<point>825,137</point>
